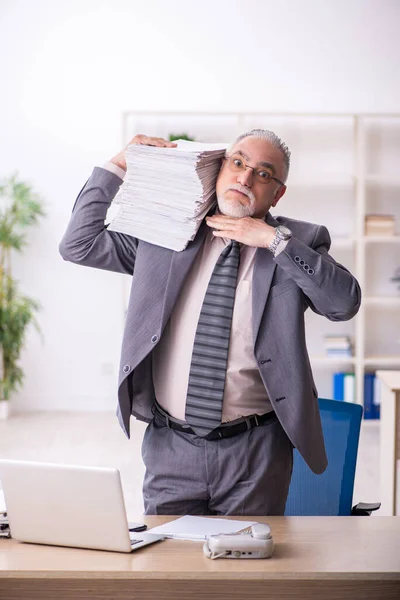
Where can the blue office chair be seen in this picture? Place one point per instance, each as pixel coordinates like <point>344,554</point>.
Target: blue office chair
<point>330,493</point>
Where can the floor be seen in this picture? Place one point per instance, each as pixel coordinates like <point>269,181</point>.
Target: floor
<point>96,439</point>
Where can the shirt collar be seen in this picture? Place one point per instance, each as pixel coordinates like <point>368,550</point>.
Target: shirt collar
<point>226,241</point>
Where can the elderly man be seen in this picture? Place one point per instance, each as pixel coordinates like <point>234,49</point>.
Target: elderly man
<point>214,356</point>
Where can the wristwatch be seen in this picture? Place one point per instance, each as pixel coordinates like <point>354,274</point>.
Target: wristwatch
<point>281,233</point>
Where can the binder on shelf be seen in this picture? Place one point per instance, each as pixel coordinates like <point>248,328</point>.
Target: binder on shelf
<point>338,386</point>
<point>349,387</point>
<point>344,387</point>
<point>377,391</point>
<point>377,397</point>
<point>369,395</point>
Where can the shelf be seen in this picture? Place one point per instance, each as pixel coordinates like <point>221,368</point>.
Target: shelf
<point>381,239</point>
<point>386,180</point>
<point>373,423</point>
<point>332,360</point>
<point>330,181</point>
<point>389,360</point>
<point>382,300</point>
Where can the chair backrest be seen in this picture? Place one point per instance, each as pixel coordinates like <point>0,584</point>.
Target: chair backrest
<point>330,493</point>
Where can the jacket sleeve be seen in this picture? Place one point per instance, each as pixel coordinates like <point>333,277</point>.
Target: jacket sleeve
<point>330,289</point>
<point>87,240</point>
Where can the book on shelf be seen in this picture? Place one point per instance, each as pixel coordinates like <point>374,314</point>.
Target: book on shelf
<point>337,346</point>
<point>339,352</point>
<point>380,225</point>
<point>344,389</point>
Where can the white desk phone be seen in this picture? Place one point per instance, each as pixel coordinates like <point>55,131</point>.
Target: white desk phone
<point>257,543</point>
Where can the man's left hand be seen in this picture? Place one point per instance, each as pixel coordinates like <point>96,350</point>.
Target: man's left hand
<point>246,230</point>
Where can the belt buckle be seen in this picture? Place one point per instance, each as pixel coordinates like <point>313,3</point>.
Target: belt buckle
<point>249,421</point>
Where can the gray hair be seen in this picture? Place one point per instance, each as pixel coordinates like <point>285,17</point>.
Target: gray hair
<point>274,140</point>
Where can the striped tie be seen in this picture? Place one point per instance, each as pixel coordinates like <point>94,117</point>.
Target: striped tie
<point>211,343</point>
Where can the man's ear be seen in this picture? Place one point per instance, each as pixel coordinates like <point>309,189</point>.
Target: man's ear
<point>279,193</point>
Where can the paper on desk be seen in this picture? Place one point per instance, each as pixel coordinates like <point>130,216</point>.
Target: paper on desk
<point>199,528</point>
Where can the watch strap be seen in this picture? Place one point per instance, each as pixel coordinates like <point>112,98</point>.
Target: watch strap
<point>275,242</point>
<point>280,247</point>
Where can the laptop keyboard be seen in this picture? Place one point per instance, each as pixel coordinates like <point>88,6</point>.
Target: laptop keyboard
<point>144,540</point>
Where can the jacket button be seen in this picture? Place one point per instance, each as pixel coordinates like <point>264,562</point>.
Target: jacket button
<point>311,271</point>
<point>302,263</point>
<point>154,338</point>
<point>126,368</point>
<point>297,258</point>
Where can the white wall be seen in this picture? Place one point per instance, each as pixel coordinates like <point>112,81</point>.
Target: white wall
<point>69,69</point>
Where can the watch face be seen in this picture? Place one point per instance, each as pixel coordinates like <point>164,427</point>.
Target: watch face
<point>285,231</point>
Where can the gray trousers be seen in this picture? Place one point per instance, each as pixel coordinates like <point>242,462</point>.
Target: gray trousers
<point>248,474</point>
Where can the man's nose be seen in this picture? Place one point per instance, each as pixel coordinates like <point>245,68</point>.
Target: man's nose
<point>245,177</point>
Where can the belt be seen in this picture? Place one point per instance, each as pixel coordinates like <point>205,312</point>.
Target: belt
<point>224,431</point>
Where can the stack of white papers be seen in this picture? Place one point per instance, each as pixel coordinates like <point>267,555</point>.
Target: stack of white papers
<point>199,528</point>
<point>167,192</point>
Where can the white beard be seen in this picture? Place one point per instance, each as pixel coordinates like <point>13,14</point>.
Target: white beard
<point>233,208</point>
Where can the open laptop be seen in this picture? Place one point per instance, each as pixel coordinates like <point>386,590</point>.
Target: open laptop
<point>68,505</point>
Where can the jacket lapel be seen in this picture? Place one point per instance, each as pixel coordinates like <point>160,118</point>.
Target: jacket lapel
<point>264,269</point>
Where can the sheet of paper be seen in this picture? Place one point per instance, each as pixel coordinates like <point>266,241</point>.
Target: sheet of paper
<point>199,528</point>
<point>2,502</point>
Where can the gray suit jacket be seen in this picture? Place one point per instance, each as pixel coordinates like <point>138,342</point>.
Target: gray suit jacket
<point>303,276</point>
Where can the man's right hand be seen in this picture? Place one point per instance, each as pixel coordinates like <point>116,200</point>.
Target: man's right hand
<point>119,159</point>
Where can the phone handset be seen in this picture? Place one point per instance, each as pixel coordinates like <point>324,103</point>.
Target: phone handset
<point>258,543</point>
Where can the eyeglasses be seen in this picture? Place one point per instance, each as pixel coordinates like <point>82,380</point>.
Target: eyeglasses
<point>237,165</point>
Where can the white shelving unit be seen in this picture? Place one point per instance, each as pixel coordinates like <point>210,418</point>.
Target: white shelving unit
<point>343,167</point>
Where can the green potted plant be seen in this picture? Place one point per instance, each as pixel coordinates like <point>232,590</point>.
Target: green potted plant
<point>20,208</point>
<point>180,136</point>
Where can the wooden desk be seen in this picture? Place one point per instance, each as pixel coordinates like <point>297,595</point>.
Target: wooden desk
<point>315,557</point>
<point>389,441</point>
